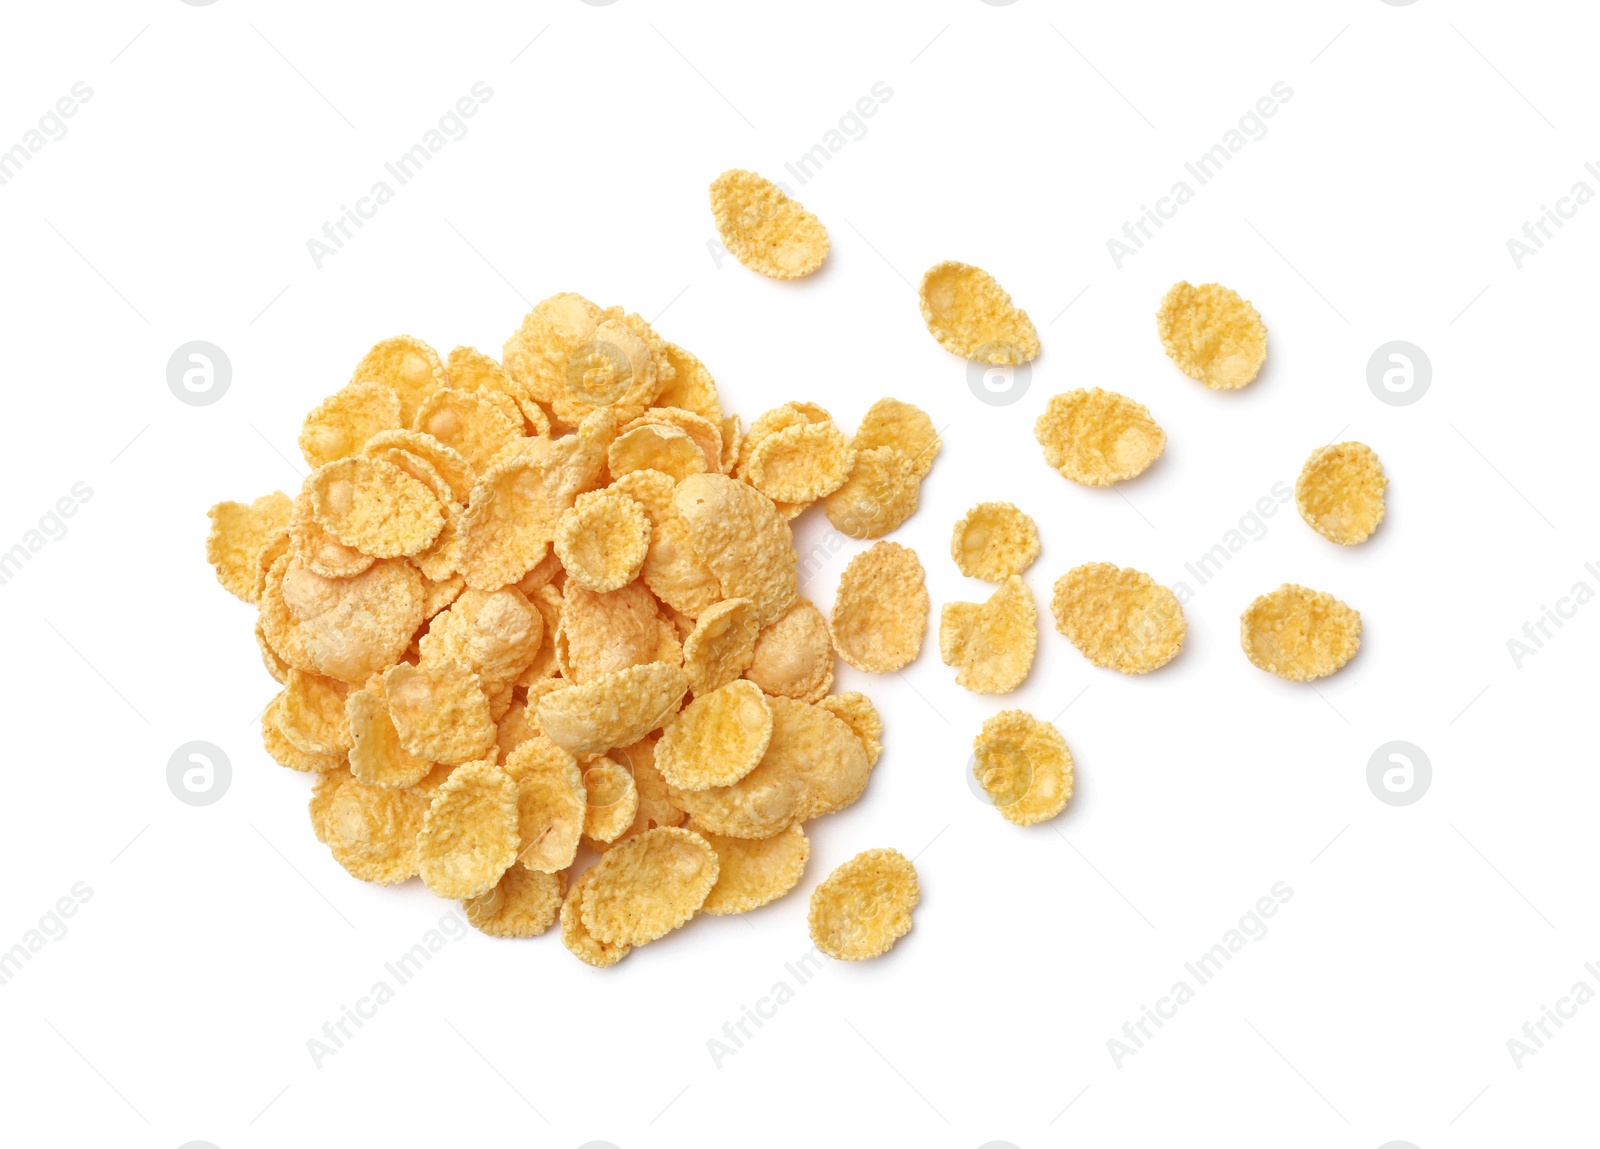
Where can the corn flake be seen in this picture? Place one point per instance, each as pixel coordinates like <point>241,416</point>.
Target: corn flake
<point>717,739</point>
<point>372,833</point>
<point>1340,492</point>
<point>754,871</point>
<point>880,494</point>
<point>408,367</point>
<point>864,907</point>
<point>616,710</point>
<point>903,426</point>
<point>994,541</point>
<point>1119,618</point>
<point>991,644</point>
<point>239,534</point>
<point>602,540</point>
<point>469,834</point>
<point>881,611</point>
<point>856,711</point>
<point>1024,766</point>
<point>375,507</point>
<point>576,937</point>
<point>551,804</point>
<point>764,229</point>
<point>1299,634</point>
<point>737,533</point>
<point>1098,437</point>
<point>648,886</point>
<point>613,799</point>
<point>793,657</point>
<point>523,904</point>
<point>342,424</point>
<point>801,464</point>
<point>1212,334</point>
<point>439,711</point>
<point>972,316</point>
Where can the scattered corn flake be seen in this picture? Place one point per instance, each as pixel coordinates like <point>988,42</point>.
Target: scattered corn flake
<point>469,835</point>
<point>602,540</point>
<point>754,871</point>
<point>408,366</point>
<point>575,358</point>
<point>341,425</point>
<point>801,464</point>
<point>523,904</point>
<point>674,572</point>
<point>371,832</point>
<point>311,713</point>
<point>721,646</point>
<point>1024,766</point>
<point>375,507</point>
<point>717,739</point>
<point>439,711</point>
<point>1098,437</point>
<point>994,541</point>
<point>1118,617</point>
<point>551,804</point>
<point>239,533</point>
<point>764,229</point>
<point>880,494</point>
<point>864,907</point>
<point>737,533</point>
<point>691,387</point>
<point>972,316</point>
<point>793,656</point>
<point>657,447</point>
<point>769,423</point>
<point>991,644</point>
<point>1340,492</point>
<point>903,426</point>
<point>705,434</point>
<point>469,369</point>
<point>376,756</point>
<point>1212,334</point>
<point>616,710</point>
<point>576,937</point>
<point>613,799</point>
<point>856,711</point>
<point>1299,634</point>
<point>648,886</point>
<point>881,611</point>
<point>347,629</point>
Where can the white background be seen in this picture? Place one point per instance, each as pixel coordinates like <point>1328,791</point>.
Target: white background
<point>1418,939</point>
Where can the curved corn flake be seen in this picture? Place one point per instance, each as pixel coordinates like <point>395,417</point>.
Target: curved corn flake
<point>469,834</point>
<point>673,571</point>
<point>764,229</point>
<point>375,507</point>
<point>1212,334</point>
<point>795,413</point>
<point>408,367</point>
<point>311,713</point>
<point>469,369</point>
<point>469,422</point>
<point>793,657</point>
<point>545,665</point>
<point>991,644</point>
<point>717,739</point>
<point>721,646</point>
<point>341,425</point>
<point>1098,437</point>
<point>493,633</point>
<point>439,594</point>
<point>600,634</point>
<point>576,358</point>
<point>372,833</point>
<point>616,710</point>
<point>613,799</point>
<point>1024,766</point>
<point>754,871</point>
<point>732,441</point>
<point>276,666</point>
<point>1340,492</point>
<point>881,611</point>
<point>541,575</point>
<point>347,629</point>
<point>1299,634</point>
<point>864,907</point>
<point>439,712</point>
<point>737,533</point>
<point>286,753</point>
<point>316,549</point>
<point>584,946</point>
<point>994,541</point>
<point>1118,617</point>
<point>602,540</point>
<point>551,804</point>
<point>276,546</point>
<point>446,461</point>
<point>972,316</point>
<point>903,426</point>
<point>691,387</point>
<point>652,490</point>
<point>376,756</point>
<point>657,447</point>
<point>801,464</point>
<point>239,533</point>
<point>648,886</point>
<point>523,904</point>
<point>880,494</point>
<point>856,711</point>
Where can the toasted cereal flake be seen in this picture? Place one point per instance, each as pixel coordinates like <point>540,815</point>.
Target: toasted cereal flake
<point>408,366</point>
<point>691,387</point>
<point>469,834</point>
<point>446,462</point>
<point>1212,334</point>
<point>991,644</point>
<point>972,316</point>
<point>674,572</point>
<point>793,657</point>
<point>732,440</point>
<point>613,799</point>
<point>541,574</point>
<point>648,886</point>
<point>737,533</point>
<point>239,533</point>
<point>801,464</point>
<point>439,594</point>
<point>276,667</point>
<point>276,546</point>
<point>439,712</point>
<point>347,629</point>
<point>1299,634</point>
<point>372,833</point>
<point>1098,437</point>
<point>576,358</point>
<point>376,756</point>
<point>344,421</point>
<point>769,423</point>
<point>1119,617</point>
<point>469,369</point>
<point>576,937</point>
<point>469,422</point>
<point>551,804</point>
<point>1024,766</point>
<point>600,634</point>
<point>316,549</point>
<point>374,507</point>
<point>602,540</point>
<point>764,229</point>
<point>616,710</point>
<point>1340,492</point>
<point>856,711</point>
<point>994,541</point>
<point>311,713</point>
<point>717,739</point>
<point>523,904</point>
<point>721,645</point>
<point>286,753</point>
<point>652,490</point>
<point>496,634</point>
<point>754,871</point>
<point>658,447</point>
<point>864,907</point>
<point>881,611</point>
<point>880,494</point>
<point>903,426</point>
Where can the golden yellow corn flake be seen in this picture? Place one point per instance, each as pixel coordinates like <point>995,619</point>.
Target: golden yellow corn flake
<point>673,571</point>
<point>691,388</point>
<point>1299,634</point>
<point>286,753</point>
<point>1098,437</point>
<point>803,463</point>
<point>764,229</point>
<point>1024,766</point>
<point>375,507</point>
<point>376,756</point>
<point>602,540</point>
<point>523,904</point>
<point>495,634</point>
<point>648,886</point>
<point>408,367</point>
<point>1212,334</point>
<point>721,645</point>
<point>446,462</point>
<point>311,713</point>
<point>754,871</point>
<point>717,739</point>
<point>317,550</point>
<point>1118,617</point>
<point>972,316</point>
<point>856,711</point>
<point>881,611</point>
<point>737,533</point>
<point>239,533</point>
<point>439,712</point>
<point>576,937</point>
<point>347,629</point>
<point>469,834</point>
<point>576,358</point>
<point>991,644</point>
<point>469,422</point>
<point>372,833</point>
<point>794,656</point>
<point>864,907</point>
<point>551,804</point>
<point>994,541</point>
<point>1340,492</point>
<point>651,489</point>
<point>600,634</point>
<point>657,447</point>
<point>903,426</point>
<point>616,710</point>
<point>439,594</point>
<point>613,800</point>
<point>705,434</point>
<point>880,494</point>
<point>769,423</point>
<point>343,423</point>
<point>469,369</point>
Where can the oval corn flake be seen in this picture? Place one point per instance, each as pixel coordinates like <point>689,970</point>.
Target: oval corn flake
<point>1118,617</point>
<point>991,644</point>
<point>736,532</point>
<point>856,711</point>
<point>576,937</point>
<point>793,657</point>
<point>371,832</point>
<point>1024,766</point>
<point>469,835</point>
<point>801,464</point>
<point>1340,492</point>
<point>717,739</point>
<point>311,713</point>
<point>880,493</point>
<point>903,426</point>
<point>408,367</point>
<point>1212,334</point>
<point>439,712</point>
<point>721,646</point>
<point>375,507</point>
<point>1299,634</point>
<point>649,886</point>
<point>994,541</point>
<point>551,804</point>
<point>764,229</point>
<point>674,572</point>
<point>470,423</point>
<point>347,629</point>
<point>600,634</point>
<point>239,533</point>
<point>881,611</point>
<point>602,540</point>
<point>496,634</point>
<point>341,425</point>
<point>862,908</point>
<point>376,756</point>
<point>523,904</point>
<point>657,447</point>
<point>616,710</point>
<point>613,799</point>
<point>972,316</point>
<point>754,871</point>
<point>1098,437</point>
